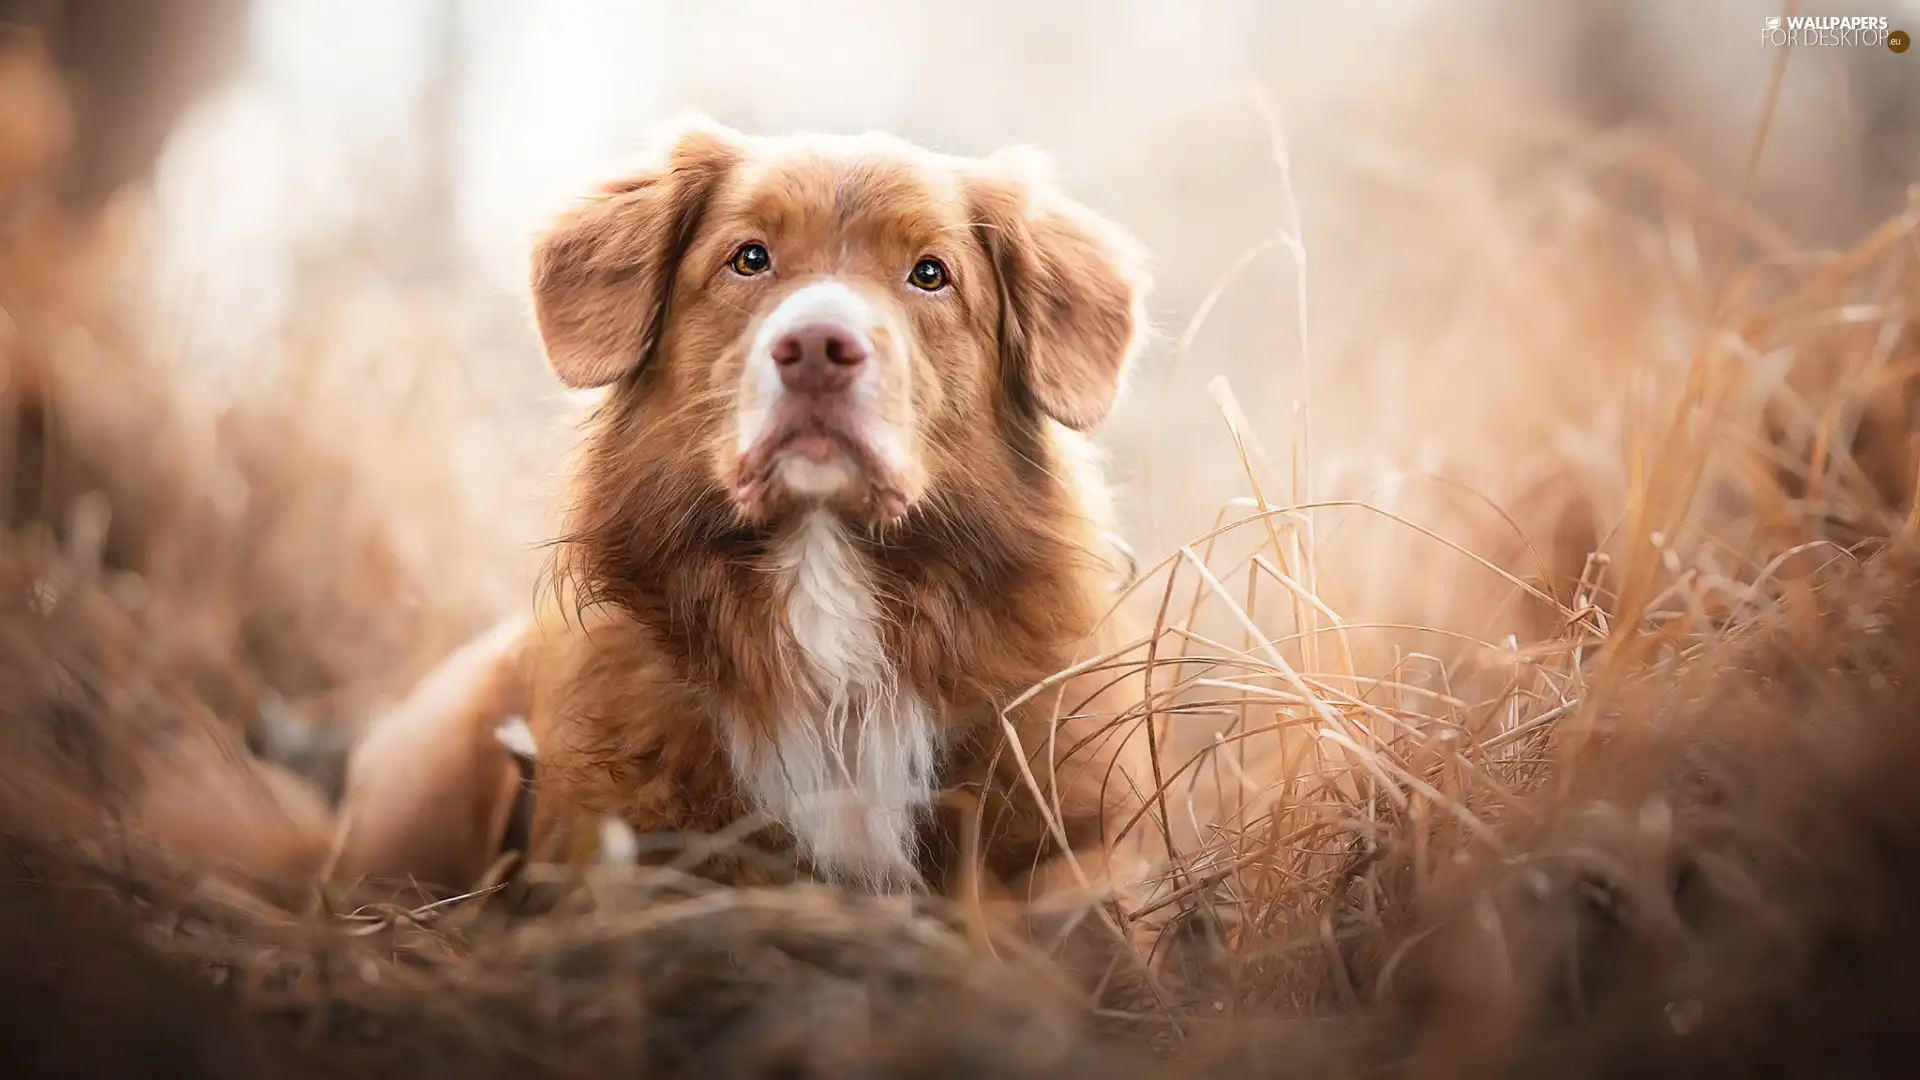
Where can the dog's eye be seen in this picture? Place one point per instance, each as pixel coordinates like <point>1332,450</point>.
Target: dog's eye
<point>928,274</point>
<point>751,259</point>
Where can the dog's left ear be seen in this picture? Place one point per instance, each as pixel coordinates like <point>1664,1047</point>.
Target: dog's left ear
<point>1072,289</point>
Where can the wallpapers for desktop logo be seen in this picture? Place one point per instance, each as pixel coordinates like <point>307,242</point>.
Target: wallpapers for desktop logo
<point>1833,31</point>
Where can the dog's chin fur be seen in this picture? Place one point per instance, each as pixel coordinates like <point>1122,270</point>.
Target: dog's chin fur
<point>850,480</point>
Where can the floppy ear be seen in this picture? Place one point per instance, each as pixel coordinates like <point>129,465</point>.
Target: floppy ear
<point>1072,289</point>
<point>603,273</point>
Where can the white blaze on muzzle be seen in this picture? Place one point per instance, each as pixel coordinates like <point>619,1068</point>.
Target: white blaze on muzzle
<point>812,396</point>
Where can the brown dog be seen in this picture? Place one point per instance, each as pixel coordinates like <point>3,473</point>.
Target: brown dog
<point>832,514</point>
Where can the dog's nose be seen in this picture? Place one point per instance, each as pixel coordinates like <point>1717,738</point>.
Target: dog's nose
<point>820,358</point>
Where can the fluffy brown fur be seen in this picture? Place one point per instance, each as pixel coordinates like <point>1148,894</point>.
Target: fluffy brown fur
<point>666,658</point>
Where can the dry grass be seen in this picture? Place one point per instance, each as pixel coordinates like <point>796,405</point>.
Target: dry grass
<point>1759,400</point>
<point>1585,752</point>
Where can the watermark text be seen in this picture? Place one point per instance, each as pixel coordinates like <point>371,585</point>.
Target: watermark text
<point>1833,31</point>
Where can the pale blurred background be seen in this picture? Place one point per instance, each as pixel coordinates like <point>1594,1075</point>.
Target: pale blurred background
<point>1476,290</point>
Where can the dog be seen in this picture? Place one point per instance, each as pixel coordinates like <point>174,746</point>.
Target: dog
<point>835,511</point>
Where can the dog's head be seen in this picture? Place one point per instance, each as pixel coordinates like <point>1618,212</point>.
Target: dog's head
<point>841,322</point>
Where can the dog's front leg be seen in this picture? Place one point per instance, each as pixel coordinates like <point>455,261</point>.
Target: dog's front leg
<point>430,785</point>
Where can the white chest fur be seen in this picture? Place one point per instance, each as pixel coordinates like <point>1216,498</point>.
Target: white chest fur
<point>850,767</point>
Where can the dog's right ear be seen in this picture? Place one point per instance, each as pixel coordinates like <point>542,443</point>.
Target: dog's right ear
<point>603,273</point>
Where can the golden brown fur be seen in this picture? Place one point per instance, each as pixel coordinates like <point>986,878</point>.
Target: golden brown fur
<point>982,543</point>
